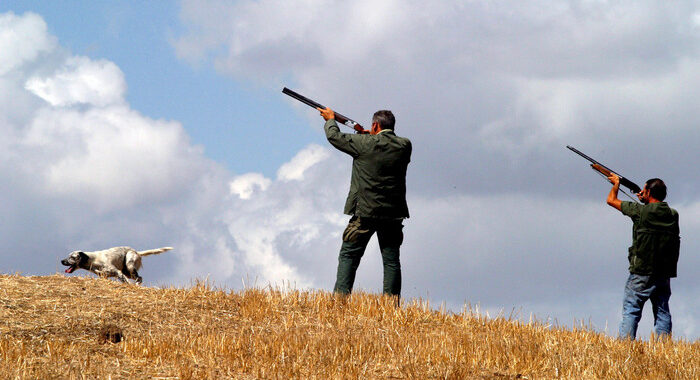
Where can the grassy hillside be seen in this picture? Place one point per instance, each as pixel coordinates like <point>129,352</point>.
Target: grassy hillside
<point>78,327</point>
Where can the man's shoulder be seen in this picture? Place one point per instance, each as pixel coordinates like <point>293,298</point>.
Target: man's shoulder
<point>406,139</point>
<point>400,139</point>
<point>671,209</point>
<point>660,206</point>
<point>653,215</point>
<point>655,207</point>
<point>630,208</point>
<point>661,209</point>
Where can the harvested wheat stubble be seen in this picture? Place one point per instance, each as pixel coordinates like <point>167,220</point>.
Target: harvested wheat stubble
<point>67,327</point>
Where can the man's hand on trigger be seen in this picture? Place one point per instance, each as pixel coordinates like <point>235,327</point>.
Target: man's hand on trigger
<point>327,113</point>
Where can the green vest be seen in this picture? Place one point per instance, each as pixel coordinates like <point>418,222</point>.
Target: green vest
<point>655,238</point>
<point>378,182</point>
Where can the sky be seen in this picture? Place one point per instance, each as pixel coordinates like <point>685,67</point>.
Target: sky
<point>152,124</point>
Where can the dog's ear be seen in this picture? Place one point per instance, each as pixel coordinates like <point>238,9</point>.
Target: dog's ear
<point>83,258</point>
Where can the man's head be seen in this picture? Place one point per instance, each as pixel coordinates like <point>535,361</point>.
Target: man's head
<point>382,119</point>
<point>654,191</point>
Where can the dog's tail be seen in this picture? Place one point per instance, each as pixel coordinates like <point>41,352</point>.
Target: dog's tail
<point>154,251</point>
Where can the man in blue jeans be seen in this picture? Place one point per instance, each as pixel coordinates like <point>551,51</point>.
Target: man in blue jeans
<point>653,256</point>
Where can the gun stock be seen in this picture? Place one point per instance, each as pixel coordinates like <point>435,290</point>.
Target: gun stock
<point>338,117</point>
<point>606,171</point>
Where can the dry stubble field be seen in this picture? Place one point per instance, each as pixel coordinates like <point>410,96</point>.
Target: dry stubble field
<point>81,327</point>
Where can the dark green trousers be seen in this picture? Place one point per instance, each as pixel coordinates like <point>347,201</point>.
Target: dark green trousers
<point>355,239</point>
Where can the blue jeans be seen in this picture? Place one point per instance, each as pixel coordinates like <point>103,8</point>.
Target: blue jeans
<point>638,290</point>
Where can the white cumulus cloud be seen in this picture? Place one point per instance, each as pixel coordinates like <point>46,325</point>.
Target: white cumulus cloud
<point>113,155</point>
<point>22,39</point>
<point>81,80</point>
<point>294,170</point>
<point>245,185</point>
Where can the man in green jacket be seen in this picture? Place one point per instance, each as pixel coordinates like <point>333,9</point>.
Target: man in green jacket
<point>653,256</point>
<point>377,198</point>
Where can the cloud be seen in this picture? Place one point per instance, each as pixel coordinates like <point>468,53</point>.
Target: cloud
<point>244,185</point>
<point>81,80</point>
<point>577,38</point>
<point>505,85</point>
<point>287,230</point>
<point>294,170</point>
<point>31,31</point>
<point>111,156</point>
<point>80,169</point>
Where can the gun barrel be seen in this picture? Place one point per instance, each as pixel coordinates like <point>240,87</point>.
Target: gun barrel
<point>302,98</point>
<point>623,181</point>
<point>586,157</point>
<point>340,118</point>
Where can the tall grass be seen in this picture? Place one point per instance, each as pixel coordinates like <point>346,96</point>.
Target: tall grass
<point>54,327</point>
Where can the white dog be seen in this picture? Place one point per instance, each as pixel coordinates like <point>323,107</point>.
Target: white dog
<point>120,262</point>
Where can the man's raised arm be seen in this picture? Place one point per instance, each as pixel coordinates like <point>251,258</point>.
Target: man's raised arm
<point>612,196</point>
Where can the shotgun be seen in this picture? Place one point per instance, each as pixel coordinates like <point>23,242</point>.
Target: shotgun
<point>338,117</point>
<point>606,171</point>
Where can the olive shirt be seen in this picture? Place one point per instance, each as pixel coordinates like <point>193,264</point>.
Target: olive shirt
<point>378,182</point>
<point>655,238</point>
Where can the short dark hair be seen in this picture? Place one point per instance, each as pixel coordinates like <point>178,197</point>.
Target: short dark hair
<point>657,189</point>
<point>385,119</point>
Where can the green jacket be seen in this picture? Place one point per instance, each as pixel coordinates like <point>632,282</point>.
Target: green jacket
<point>655,238</point>
<point>378,182</point>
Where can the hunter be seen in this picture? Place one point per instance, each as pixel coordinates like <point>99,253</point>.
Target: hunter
<point>653,256</point>
<point>377,198</point>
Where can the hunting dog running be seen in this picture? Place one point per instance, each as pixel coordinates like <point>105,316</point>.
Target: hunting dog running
<point>120,262</point>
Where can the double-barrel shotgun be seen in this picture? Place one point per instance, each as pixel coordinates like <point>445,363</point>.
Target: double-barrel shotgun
<point>338,117</point>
